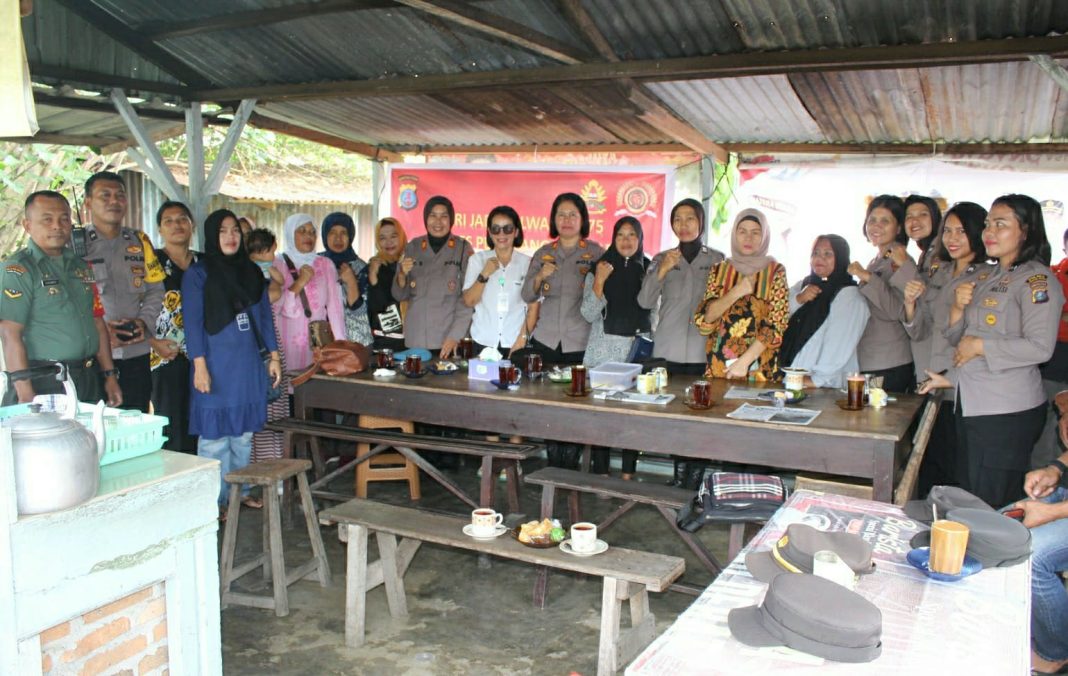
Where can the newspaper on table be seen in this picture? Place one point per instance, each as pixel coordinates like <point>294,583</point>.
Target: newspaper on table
<point>771,414</point>
<point>632,397</point>
<point>743,392</point>
<point>976,625</point>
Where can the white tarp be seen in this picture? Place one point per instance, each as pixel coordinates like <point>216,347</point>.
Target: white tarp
<point>17,114</point>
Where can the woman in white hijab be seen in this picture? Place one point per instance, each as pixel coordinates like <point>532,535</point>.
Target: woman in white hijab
<point>746,307</point>
<point>309,292</point>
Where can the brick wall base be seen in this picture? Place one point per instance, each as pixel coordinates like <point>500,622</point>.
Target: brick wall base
<point>127,636</point>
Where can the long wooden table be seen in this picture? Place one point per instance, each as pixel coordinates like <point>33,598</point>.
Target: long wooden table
<point>868,444</point>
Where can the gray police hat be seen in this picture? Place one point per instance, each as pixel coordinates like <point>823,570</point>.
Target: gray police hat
<point>794,552</point>
<point>994,539</point>
<point>813,615</point>
<point>945,498</point>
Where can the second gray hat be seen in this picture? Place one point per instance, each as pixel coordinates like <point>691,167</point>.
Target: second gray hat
<point>945,498</point>
<point>794,552</point>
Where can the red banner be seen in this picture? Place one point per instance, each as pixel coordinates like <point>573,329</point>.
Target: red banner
<point>609,196</point>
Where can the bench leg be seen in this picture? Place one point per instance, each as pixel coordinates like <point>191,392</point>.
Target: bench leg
<point>355,585</point>
<point>229,546</point>
<point>607,657</point>
<point>541,587</point>
<point>574,507</point>
<point>316,537</point>
<point>511,475</point>
<point>618,646</point>
<point>391,577</point>
<point>487,483</point>
<point>548,499</point>
<point>707,558</point>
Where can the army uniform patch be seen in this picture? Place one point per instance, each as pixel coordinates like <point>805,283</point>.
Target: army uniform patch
<point>13,294</point>
<point>15,269</point>
<point>991,319</point>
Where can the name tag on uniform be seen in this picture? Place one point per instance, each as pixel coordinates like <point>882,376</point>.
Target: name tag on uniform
<point>242,321</point>
<point>49,281</point>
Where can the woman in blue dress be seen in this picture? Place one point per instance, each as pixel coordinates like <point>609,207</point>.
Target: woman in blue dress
<point>228,322</point>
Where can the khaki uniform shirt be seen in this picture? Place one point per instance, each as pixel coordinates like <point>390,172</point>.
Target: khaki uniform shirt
<point>560,320</point>
<point>885,344</point>
<point>1016,313</point>
<point>128,288</point>
<point>930,348</point>
<point>676,337</point>
<point>53,299</point>
<point>434,291</point>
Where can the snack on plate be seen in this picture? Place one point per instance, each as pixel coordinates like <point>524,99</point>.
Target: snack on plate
<point>539,532</point>
<point>445,366</point>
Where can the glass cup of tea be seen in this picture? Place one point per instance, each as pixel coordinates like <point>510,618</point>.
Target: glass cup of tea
<point>534,366</point>
<point>508,373</point>
<point>384,358</point>
<point>413,364</point>
<point>467,348</point>
<point>578,380</point>
<point>855,390</point>
<point>699,394</point>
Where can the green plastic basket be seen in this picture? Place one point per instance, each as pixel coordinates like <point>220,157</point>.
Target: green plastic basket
<point>125,438</point>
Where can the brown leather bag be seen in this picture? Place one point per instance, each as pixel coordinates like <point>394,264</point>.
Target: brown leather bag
<point>338,358</point>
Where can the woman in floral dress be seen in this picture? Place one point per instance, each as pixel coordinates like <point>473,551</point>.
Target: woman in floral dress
<point>746,309</point>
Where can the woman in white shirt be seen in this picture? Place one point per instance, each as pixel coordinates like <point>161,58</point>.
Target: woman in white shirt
<point>493,284</point>
<point>827,317</point>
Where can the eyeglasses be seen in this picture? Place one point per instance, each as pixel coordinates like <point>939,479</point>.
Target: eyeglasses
<point>498,229</point>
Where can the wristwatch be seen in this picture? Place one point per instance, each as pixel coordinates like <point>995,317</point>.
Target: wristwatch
<point>110,372</point>
<point>1060,466</point>
<point>482,279</point>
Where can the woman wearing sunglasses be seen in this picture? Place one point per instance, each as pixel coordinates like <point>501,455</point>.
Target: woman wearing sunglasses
<point>493,285</point>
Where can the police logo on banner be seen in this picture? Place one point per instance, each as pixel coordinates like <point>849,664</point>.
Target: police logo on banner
<point>407,197</point>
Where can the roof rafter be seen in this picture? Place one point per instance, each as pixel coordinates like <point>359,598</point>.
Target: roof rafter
<point>135,41</point>
<point>366,149</point>
<point>656,70</point>
<point>68,75</point>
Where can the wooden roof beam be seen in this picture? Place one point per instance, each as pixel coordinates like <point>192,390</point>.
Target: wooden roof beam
<point>106,80</point>
<point>135,41</point>
<point>156,31</point>
<point>659,70</point>
<point>365,149</point>
<point>652,111</point>
<point>512,32</point>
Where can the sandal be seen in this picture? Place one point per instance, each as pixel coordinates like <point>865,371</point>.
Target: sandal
<point>222,514</point>
<point>251,502</point>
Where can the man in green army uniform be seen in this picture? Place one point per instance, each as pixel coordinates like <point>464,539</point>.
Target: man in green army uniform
<point>50,311</point>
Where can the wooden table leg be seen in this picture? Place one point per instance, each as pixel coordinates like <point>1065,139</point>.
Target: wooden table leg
<point>487,483</point>
<point>548,499</point>
<point>436,475</point>
<point>355,585</point>
<point>511,475</point>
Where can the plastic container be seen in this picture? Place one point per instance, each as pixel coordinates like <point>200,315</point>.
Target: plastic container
<point>128,434</point>
<point>616,375</point>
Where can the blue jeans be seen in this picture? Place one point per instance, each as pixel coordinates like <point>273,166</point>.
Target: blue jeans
<point>1049,600</point>
<point>232,453</point>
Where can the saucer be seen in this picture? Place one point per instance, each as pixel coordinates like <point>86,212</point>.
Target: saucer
<point>696,407</point>
<point>600,548</point>
<point>846,407</point>
<point>416,375</point>
<point>443,372</point>
<point>384,373</point>
<point>499,386</point>
<point>582,394</point>
<point>921,556</point>
<point>498,530</point>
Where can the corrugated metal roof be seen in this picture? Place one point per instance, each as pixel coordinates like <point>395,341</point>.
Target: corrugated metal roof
<point>106,127</point>
<point>745,109</point>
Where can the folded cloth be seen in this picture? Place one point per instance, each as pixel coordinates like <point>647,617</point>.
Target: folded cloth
<point>813,615</point>
<point>795,550</point>
<point>944,498</point>
<point>994,539</point>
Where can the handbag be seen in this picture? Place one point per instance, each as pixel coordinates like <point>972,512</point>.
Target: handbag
<point>337,358</point>
<point>733,496</point>
<point>319,331</point>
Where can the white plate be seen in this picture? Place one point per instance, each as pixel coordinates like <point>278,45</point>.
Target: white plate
<point>600,547</point>
<point>384,373</point>
<point>469,530</point>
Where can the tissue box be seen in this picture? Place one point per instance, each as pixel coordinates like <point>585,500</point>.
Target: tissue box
<point>479,369</point>
<point>614,374</point>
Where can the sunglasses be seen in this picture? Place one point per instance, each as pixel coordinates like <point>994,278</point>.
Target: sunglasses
<point>498,229</point>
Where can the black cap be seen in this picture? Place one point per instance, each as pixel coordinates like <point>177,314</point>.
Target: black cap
<point>794,552</point>
<point>813,615</point>
<point>945,498</point>
<point>994,539</point>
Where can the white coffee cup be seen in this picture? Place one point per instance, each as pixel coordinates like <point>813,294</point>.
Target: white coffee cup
<point>584,536</point>
<point>484,521</point>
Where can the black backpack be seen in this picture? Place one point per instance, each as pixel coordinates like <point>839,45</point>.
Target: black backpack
<point>733,497</point>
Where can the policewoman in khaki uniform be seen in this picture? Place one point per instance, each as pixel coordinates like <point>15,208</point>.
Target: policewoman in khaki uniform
<point>956,257</point>
<point>676,279</point>
<point>430,277</point>
<point>1004,324</point>
<point>50,311</point>
<point>884,348</point>
<point>557,276</point>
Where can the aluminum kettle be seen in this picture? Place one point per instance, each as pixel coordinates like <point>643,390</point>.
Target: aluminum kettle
<point>56,459</point>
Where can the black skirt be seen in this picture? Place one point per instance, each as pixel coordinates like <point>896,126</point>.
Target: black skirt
<point>170,397</point>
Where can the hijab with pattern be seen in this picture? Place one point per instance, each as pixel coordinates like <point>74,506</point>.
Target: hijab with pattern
<point>810,317</point>
<point>623,316</point>
<point>233,283</point>
<point>748,264</point>
<point>345,221</point>
<point>289,230</point>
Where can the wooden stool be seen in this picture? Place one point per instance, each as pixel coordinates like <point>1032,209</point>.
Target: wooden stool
<point>386,466</point>
<point>270,475</point>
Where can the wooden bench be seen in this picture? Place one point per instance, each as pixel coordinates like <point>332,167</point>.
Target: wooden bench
<point>668,500</point>
<point>494,454</point>
<point>628,574</point>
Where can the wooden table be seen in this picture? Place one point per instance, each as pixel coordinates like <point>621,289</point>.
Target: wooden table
<point>978,625</point>
<point>868,444</point>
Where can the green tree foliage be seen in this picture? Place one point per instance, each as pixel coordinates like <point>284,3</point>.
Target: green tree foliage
<point>25,168</point>
<point>724,182</point>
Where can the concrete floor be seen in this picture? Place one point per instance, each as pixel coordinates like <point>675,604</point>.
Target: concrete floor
<point>463,618</point>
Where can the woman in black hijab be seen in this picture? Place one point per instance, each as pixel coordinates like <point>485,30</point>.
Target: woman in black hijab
<point>828,316</point>
<point>229,331</point>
